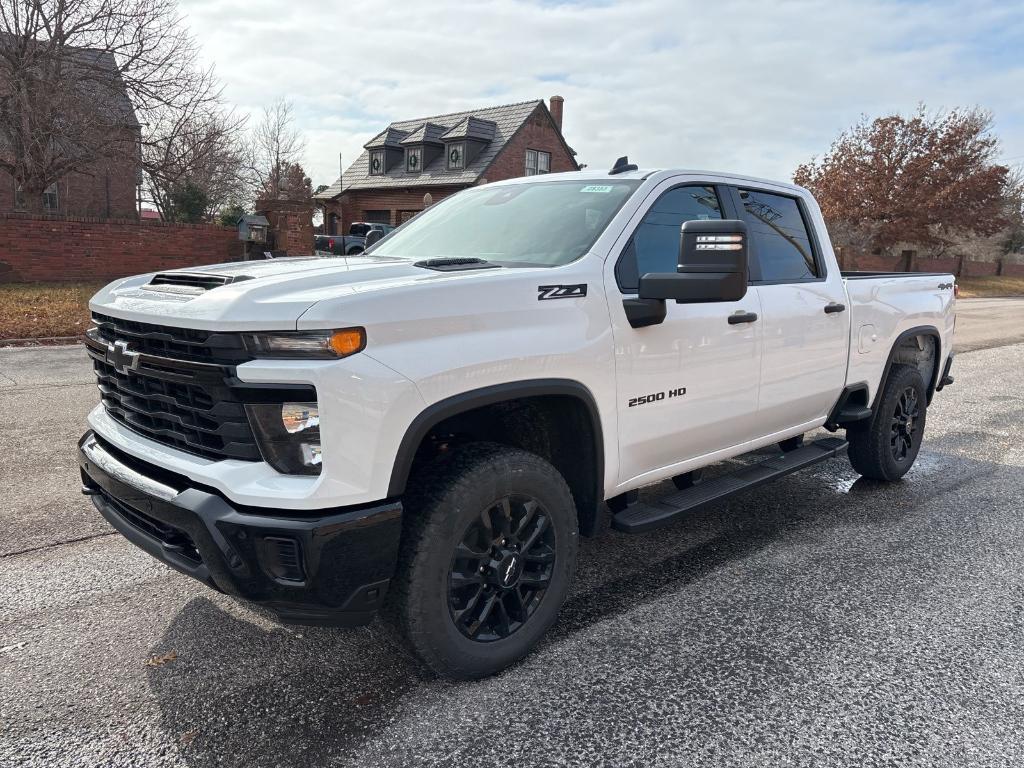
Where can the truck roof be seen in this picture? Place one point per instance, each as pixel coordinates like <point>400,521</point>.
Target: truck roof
<point>645,173</point>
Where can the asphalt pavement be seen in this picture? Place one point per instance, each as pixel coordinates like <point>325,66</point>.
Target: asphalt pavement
<point>821,620</point>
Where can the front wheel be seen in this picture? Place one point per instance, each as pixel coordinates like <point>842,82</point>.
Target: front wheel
<point>885,446</point>
<point>488,554</point>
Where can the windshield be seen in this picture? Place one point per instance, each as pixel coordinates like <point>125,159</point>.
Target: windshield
<point>537,224</point>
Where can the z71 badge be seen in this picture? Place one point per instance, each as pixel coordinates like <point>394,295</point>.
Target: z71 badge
<point>546,292</point>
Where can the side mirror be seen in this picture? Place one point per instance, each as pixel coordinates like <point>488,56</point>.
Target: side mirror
<point>373,236</point>
<point>712,267</point>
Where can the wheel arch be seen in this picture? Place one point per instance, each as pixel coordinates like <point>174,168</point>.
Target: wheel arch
<point>583,470</point>
<point>899,344</point>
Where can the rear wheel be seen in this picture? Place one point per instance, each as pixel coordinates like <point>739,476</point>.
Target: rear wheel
<point>885,446</point>
<point>488,554</point>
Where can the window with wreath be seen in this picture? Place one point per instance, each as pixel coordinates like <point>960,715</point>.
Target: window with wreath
<point>414,159</point>
<point>456,157</point>
<point>377,163</point>
<point>537,162</point>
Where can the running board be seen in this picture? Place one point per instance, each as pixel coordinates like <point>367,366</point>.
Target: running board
<point>645,516</point>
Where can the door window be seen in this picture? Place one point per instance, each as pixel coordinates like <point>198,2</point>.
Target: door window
<point>654,246</point>
<point>781,247</point>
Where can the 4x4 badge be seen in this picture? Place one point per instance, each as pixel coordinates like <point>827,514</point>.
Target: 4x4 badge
<point>122,358</point>
<point>561,291</point>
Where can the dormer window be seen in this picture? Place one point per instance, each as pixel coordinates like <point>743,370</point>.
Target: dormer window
<point>414,159</point>
<point>377,163</point>
<point>456,156</point>
<point>537,162</point>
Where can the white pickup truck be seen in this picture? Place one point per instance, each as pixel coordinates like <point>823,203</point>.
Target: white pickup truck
<point>424,430</point>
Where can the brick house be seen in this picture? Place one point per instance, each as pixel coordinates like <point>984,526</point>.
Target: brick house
<point>413,163</point>
<point>107,188</point>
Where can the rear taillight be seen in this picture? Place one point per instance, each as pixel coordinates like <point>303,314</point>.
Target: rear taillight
<point>330,244</point>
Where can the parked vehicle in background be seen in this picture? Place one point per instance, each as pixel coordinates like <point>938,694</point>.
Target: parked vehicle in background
<point>426,429</point>
<point>352,243</point>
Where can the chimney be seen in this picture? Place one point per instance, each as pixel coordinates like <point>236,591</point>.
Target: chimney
<point>556,110</point>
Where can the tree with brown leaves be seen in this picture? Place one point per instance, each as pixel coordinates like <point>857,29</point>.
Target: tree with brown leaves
<point>920,180</point>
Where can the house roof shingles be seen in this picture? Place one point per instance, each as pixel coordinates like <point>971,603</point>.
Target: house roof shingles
<point>506,120</point>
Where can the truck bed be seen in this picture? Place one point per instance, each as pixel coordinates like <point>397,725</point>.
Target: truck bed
<point>885,305</point>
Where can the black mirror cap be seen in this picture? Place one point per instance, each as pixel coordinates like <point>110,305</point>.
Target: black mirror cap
<point>693,287</point>
<point>713,246</point>
<point>373,236</point>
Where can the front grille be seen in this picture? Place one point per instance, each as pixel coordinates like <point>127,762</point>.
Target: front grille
<point>179,390</point>
<point>179,343</point>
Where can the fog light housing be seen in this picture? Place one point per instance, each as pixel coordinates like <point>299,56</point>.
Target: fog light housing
<point>288,435</point>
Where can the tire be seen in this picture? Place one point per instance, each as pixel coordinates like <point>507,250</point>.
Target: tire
<point>354,251</point>
<point>791,443</point>
<point>885,446</point>
<point>439,595</point>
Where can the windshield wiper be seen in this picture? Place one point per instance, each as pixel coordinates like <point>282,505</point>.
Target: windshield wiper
<point>455,263</point>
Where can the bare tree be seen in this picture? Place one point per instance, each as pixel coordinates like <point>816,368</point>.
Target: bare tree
<point>202,147</point>
<point>81,79</point>
<point>276,146</point>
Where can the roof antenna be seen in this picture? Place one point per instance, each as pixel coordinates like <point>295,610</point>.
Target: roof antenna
<point>622,165</point>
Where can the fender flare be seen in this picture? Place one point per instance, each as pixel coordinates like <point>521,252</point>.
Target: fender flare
<point>920,330</point>
<point>477,398</point>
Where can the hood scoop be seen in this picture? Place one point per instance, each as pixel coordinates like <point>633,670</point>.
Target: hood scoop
<point>191,283</point>
<point>455,264</point>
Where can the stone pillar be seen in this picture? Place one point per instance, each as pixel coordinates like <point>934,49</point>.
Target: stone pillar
<point>291,226</point>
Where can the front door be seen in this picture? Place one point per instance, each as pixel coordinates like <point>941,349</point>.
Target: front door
<point>689,385</point>
<point>804,318</point>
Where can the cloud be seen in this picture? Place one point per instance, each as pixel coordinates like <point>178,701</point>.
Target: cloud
<point>732,85</point>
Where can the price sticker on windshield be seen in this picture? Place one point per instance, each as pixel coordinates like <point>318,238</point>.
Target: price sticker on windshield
<point>600,188</point>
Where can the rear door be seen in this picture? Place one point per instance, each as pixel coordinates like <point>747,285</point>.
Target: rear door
<point>687,386</point>
<point>804,320</point>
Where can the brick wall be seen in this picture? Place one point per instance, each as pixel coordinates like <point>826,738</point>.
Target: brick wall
<point>950,264</point>
<point>956,265</point>
<point>40,248</point>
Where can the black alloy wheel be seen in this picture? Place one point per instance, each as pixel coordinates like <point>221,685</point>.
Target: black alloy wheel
<point>501,569</point>
<point>905,421</point>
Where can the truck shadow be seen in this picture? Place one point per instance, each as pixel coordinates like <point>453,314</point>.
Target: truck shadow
<point>312,696</point>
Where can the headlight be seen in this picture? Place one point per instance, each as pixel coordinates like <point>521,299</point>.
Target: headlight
<point>288,436</point>
<point>307,344</point>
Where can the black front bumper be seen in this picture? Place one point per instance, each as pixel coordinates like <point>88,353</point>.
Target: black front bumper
<point>331,567</point>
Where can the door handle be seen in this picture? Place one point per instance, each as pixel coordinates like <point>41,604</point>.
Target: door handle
<point>742,317</point>
<point>834,306</point>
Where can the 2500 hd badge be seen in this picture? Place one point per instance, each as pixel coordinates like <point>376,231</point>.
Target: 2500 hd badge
<point>644,399</point>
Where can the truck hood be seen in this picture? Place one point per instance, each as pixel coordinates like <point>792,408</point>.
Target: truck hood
<point>249,295</point>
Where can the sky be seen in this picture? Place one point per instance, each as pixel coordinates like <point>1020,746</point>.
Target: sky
<point>746,86</point>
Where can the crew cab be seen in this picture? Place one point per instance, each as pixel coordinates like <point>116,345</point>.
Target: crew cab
<point>423,431</point>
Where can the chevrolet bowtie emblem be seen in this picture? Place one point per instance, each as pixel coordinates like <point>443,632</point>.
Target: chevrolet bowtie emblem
<point>122,358</point>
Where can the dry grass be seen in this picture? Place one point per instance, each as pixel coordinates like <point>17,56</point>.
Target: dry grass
<point>988,287</point>
<point>41,310</point>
